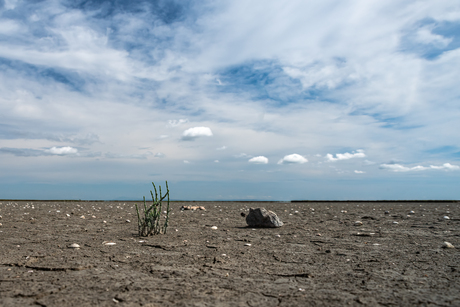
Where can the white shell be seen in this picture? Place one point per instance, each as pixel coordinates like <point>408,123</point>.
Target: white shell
<point>446,217</point>
<point>247,244</point>
<point>108,243</point>
<point>74,245</point>
<point>214,227</point>
<point>448,245</point>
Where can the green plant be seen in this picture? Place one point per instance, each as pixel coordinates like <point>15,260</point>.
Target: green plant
<point>149,223</point>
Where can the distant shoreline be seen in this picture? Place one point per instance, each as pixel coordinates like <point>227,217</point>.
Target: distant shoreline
<point>249,201</point>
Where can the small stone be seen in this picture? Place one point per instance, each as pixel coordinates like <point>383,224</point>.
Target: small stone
<point>260,217</point>
<point>247,244</point>
<point>68,215</point>
<point>358,223</point>
<point>128,221</point>
<point>411,212</point>
<point>82,217</point>
<point>446,217</point>
<point>395,223</point>
<point>108,243</point>
<point>448,245</point>
<point>93,216</point>
<point>387,212</point>
<point>214,227</point>
<point>74,245</point>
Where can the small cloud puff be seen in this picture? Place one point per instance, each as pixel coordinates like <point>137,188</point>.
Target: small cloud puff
<point>222,148</point>
<point>67,150</point>
<point>346,156</point>
<point>196,132</point>
<point>186,162</point>
<point>293,159</point>
<point>175,123</point>
<point>259,160</point>
<point>359,172</point>
<point>402,168</point>
<point>159,155</point>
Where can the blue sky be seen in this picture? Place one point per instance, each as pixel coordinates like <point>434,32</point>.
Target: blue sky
<point>230,100</point>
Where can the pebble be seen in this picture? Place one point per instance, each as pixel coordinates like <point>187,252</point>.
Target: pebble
<point>411,212</point>
<point>68,215</point>
<point>395,223</point>
<point>74,245</point>
<point>128,221</point>
<point>247,244</point>
<point>448,245</point>
<point>358,223</point>
<point>82,217</point>
<point>108,243</point>
<point>387,212</point>
<point>214,227</point>
<point>446,217</point>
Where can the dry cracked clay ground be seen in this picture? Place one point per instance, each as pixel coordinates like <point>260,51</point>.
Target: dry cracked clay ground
<point>320,257</point>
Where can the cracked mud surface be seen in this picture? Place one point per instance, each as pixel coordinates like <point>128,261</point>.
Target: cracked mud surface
<point>318,258</point>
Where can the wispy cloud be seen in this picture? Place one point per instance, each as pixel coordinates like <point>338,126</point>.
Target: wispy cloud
<point>402,168</point>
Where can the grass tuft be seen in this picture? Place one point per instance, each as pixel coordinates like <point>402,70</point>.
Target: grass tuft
<point>150,221</point>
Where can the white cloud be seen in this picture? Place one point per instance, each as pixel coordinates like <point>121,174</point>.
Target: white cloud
<point>259,160</point>
<point>196,132</point>
<point>446,166</point>
<point>346,156</point>
<point>159,155</point>
<point>426,36</point>
<point>359,172</point>
<point>401,168</point>
<point>63,150</point>
<point>222,148</point>
<point>186,162</point>
<point>293,159</point>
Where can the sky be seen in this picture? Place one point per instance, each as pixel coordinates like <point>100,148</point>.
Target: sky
<point>230,100</point>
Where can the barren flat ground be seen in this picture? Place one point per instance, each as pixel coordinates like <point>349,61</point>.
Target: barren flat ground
<point>320,257</point>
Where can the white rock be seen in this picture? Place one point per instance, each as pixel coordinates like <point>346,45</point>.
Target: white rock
<point>108,243</point>
<point>412,212</point>
<point>247,244</point>
<point>446,217</point>
<point>82,217</point>
<point>395,223</point>
<point>358,223</point>
<point>214,227</point>
<point>74,245</point>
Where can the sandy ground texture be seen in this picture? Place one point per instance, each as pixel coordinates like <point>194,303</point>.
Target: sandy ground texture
<point>326,254</point>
